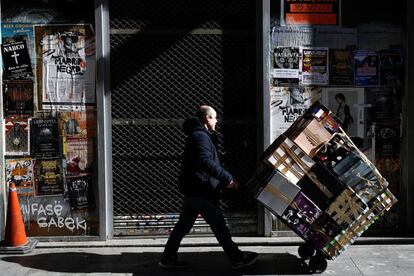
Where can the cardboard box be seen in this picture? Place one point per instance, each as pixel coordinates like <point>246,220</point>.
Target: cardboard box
<point>321,186</point>
<point>289,159</point>
<point>278,194</point>
<point>346,208</point>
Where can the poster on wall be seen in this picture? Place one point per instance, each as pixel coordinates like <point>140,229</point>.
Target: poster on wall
<point>79,155</point>
<point>375,36</point>
<point>299,12</point>
<point>366,68</point>
<point>18,97</point>
<point>341,69</point>
<point>48,177</point>
<point>391,67</point>
<point>16,60</point>
<point>20,172</point>
<point>292,36</point>
<point>336,37</point>
<point>386,104</point>
<point>17,31</point>
<point>77,123</point>
<point>348,106</point>
<point>314,65</point>
<point>66,69</point>
<point>285,65</point>
<point>80,192</point>
<point>289,103</point>
<point>16,136</point>
<point>44,138</point>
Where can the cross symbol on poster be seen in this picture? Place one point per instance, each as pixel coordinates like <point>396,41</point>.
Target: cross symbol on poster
<point>15,55</point>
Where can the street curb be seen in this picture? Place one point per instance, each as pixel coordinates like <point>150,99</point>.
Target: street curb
<point>210,242</point>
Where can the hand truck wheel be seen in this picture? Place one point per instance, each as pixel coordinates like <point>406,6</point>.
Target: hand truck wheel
<point>317,264</point>
<point>306,251</point>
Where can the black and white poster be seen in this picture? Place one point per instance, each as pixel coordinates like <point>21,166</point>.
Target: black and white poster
<point>285,65</point>
<point>44,137</point>
<point>16,60</point>
<point>289,103</point>
<point>66,71</point>
<point>348,106</point>
<point>80,192</point>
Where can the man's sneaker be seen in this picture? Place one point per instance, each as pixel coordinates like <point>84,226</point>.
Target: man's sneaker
<point>248,258</point>
<point>171,263</point>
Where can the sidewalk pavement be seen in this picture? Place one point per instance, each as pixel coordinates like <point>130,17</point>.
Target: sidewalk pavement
<point>277,256</point>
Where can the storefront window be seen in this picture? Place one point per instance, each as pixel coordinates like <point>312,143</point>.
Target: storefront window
<point>350,56</point>
<point>49,114</point>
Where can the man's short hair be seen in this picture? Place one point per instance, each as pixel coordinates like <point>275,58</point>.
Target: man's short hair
<point>203,111</point>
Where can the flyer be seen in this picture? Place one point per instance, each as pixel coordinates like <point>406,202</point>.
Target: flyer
<point>44,138</point>
<point>66,72</point>
<point>285,65</point>
<point>314,66</point>
<point>391,67</point>
<point>366,68</point>
<point>17,31</point>
<point>292,36</point>
<point>18,97</point>
<point>77,123</point>
<point>79,155</point>
<point>20,172</point>
<point>48,177</point>
<point>16,136</point>
<point>341,67</point>
<point>16,60</point>
<point>80,192</point>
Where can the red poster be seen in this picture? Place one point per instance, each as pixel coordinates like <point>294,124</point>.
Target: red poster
<point>308,12</point>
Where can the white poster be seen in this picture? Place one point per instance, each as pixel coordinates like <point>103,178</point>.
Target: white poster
<point>66,71</point>
<point>292,36</point>
<point>287,104</point>
<point>348,105</point>
<point>314,66</point>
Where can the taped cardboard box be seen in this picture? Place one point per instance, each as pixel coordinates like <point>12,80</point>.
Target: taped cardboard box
<point>308,134</point>
<point>352,167</point>
<point>289,159</point>
<point>346,208</point>
<point>278,194</point>
<point>378,207</point>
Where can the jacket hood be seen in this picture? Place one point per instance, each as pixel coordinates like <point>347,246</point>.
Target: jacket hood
<point>192,124</point>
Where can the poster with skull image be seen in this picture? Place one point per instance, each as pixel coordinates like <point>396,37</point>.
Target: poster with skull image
<point>285,66</point>
<point>66,66</point>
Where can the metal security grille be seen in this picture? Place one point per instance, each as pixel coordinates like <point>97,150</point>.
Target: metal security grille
<point>168,57</point>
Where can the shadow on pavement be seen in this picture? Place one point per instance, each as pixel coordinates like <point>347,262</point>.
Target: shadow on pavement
<point>201,263</point>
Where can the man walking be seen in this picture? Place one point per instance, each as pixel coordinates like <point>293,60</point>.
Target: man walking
<point>201,180</point>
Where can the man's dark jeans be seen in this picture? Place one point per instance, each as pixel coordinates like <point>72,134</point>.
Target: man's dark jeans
<point>210,211</point>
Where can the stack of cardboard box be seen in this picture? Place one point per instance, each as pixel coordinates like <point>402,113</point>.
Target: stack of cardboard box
<point>320,184</point>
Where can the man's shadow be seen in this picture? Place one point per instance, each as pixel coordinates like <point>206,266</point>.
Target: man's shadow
<point>200,263</point>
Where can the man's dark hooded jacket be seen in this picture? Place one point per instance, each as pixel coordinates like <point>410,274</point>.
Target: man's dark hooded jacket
<point>201,173</point>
